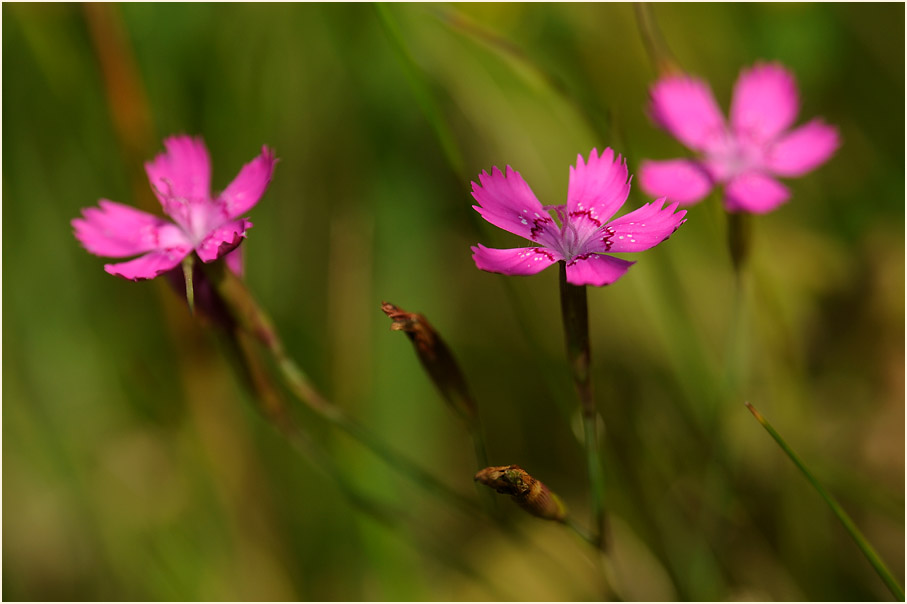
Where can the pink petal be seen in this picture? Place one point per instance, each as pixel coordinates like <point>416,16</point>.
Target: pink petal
<point>181,174</point>
<point>596,269</point>
<point>598,187</point>
<point>117,230</point>
<point>234,261</point>
<point>507,202</point>
<point>150,265</point>
<point>764,102</point>
<point>754,193</point>
<point>643,228</point>
<point>249,185</point>
<point>685,107</point>
<point>803,149</point>
<point>681,180</point>
<point>517,261</point>
<point>222,240</point>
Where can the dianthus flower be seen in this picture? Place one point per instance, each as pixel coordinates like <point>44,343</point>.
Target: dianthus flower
<point>181,180</point>
<point>597,190</point>
<point>744,155</point>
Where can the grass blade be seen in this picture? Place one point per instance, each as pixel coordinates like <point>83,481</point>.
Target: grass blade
<point>422,92</point>
<point>845,519</point>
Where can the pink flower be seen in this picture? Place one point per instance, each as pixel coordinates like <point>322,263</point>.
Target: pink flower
<point>744,155</point>
<point>181,179</point>
<point>597,190</point>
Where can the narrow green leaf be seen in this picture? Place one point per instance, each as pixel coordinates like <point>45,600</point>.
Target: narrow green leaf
<point>597,117</point>
<point>421,90</point>
<point>845,519</point>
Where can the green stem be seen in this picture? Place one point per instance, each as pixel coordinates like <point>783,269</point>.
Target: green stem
<point>606,564</point>
<point>596,482</point>
<point>874,559</point>
<point>739,234</point>
<point>402,464</point>
<point>490,501</point>
<point>580,531</point>
<point>388,516</point>
<point>270,404</point>
<point>574,308</point>
<point>256,322</point>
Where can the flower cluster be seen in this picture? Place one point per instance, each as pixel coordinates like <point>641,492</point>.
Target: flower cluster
<point>744,154</point>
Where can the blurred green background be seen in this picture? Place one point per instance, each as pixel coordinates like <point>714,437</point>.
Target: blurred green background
<point>134,465</point>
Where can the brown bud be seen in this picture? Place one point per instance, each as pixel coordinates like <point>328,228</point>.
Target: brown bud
<point>530,494</point>
<point>436,359</point>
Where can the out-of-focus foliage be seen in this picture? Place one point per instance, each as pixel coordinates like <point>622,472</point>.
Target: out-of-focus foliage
<point>133,464</point>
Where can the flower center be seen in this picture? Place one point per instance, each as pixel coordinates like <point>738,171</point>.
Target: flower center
<point>734,155</point>
<point>569,239</point>
<point>191,215</point>
<point>576,229</point>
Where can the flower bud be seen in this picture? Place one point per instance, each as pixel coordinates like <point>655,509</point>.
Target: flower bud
<point>530,494</point>
<point>436,359</point>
